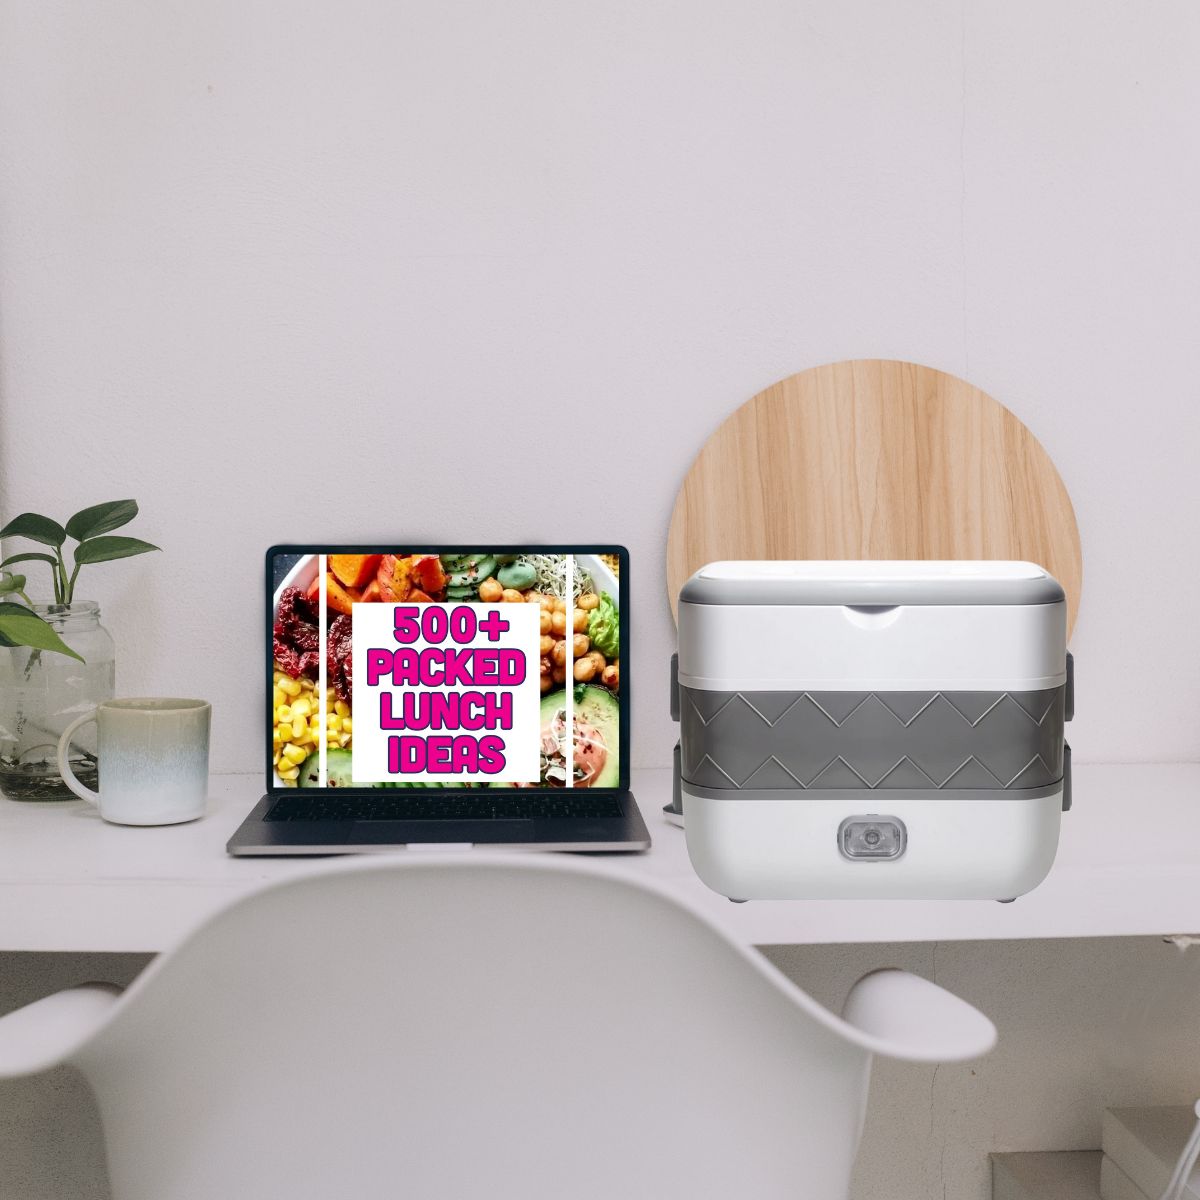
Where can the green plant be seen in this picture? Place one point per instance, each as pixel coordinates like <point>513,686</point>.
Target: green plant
<point>21,626</point>
<point>89,529</point>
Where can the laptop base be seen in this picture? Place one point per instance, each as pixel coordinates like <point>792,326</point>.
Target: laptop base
<point>259,837</point>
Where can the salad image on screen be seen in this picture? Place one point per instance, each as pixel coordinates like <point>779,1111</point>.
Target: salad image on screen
<point>579,649</point>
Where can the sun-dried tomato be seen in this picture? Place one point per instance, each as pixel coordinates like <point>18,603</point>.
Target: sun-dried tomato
<point>295,638</point>
<point>286,659</point>
<point>339,657</point>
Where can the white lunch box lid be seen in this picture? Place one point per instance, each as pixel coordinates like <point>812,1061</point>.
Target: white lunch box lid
<point>871,583</point>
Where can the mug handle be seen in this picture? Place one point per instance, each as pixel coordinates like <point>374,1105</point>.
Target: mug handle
<point>64,763</point>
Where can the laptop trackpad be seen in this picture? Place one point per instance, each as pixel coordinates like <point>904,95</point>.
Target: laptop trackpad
<point>376,833</point>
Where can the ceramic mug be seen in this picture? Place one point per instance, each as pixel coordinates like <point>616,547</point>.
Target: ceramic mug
<point>153,760</point>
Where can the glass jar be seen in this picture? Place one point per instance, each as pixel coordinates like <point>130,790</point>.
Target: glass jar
<point>42,692</point>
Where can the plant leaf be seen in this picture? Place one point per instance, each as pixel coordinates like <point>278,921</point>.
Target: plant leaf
<point>20,627</point>
<point>30,556</point>
<point>10,583</point>
<point>101,518</point>
<point>102,549</point>
<point>36,528</point>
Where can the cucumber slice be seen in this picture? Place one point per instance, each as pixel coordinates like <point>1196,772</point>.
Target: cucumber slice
<point>337,770</point>
<point>469,570</point>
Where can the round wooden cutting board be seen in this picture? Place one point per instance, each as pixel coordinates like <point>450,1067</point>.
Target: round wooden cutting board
<point>874,459</point>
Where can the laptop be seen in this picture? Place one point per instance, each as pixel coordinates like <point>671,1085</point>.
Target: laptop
<point>445,696</point>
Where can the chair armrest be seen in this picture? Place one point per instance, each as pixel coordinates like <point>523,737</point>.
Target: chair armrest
<point>47,1032</point>
<point>912,1019</point>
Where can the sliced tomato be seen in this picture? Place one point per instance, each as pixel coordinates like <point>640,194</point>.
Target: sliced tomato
<point>429,574</point>
<point>383,577</point>
<point>395,578</point>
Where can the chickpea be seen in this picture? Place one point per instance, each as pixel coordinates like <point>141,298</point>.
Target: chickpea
<point>547,602</point>
<point>547,644</point>
<point>599,659</point>
<point>560,654</point>
<point>580,644</point>
<point>560,674</point>
<point>490,591</point>
<point>558,623</point>
<point>585,669</point>
<point>511,596</point>
<point>545,623</point>
<point>547,674</point>
<point>588,601</point>
<point>611,676</point>
<point>560,605</point>
<point>532,597</point>
<point>579,620</point>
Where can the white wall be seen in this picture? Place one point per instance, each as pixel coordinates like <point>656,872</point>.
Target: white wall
<point>495,271</point>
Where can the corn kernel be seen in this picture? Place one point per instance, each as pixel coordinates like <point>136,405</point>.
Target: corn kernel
<point>297,726</point>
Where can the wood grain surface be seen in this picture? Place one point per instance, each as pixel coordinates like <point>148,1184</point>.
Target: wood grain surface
<point>874,459</point>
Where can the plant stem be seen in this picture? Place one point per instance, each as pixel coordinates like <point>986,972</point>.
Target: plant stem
<point>71,583</point>
<point>60,578</point>
<point>24,597</point>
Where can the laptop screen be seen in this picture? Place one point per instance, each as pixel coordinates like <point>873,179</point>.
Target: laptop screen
<point>432,668</point>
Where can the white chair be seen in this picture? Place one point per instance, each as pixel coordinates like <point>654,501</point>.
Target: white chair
<point>484,1025</point>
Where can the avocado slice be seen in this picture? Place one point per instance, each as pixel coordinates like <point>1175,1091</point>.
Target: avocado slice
<point>598,707</point>
<point>337,770</point>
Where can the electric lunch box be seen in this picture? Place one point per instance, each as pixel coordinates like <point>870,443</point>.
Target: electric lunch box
<point>872,729</point>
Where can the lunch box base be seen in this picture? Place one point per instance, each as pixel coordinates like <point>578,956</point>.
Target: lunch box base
<point>996,847</point>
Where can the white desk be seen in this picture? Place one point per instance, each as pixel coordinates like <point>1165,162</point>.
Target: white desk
<point>1129,863</point>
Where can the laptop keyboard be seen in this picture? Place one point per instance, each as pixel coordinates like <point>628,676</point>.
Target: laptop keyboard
<point>476,807</point>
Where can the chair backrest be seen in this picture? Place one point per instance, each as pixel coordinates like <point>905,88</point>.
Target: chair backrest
<point>484,1026</point>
